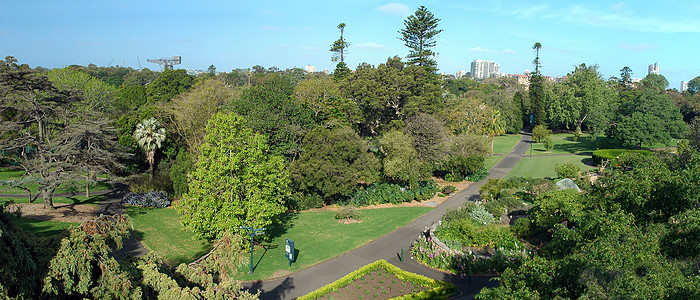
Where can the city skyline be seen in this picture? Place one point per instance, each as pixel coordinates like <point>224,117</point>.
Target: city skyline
<point>286,35</point>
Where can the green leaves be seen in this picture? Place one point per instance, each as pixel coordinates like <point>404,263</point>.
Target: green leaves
<point>418,35</point>
<point>236,182</point>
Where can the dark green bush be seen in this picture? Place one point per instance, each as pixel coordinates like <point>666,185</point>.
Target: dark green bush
<point>304,201</point>
<point>521,228</point>
<point>478,176</point>
<point>548,143</point>
<point>567,170</point>
<point>184,163</point>
<point>461,165</point>
<point>380,193</point>
<point>539,133</point>
<point>458,213</point>
<point>611,155</point>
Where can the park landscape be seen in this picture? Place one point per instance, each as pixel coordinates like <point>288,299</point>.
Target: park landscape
<point>392,181</point>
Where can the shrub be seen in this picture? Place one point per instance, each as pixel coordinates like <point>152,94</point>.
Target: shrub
<point>157,199</point>
<point>449,189</point>
<point>453,178</point>
<point>567,170</point>
<point>348,213</point>
<point>539,133</point>
<point>481,216</point>
<point>304,201</point>
<point>548,143</point>
<point>521,228</point>
<point>464,165</point>
<point>478,176</point>
<point>184,163</point>
<point>459,213</point>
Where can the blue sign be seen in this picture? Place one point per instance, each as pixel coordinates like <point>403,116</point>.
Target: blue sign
<point>289,250</point>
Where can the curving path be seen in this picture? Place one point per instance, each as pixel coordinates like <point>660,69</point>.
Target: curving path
<point>389,246</point>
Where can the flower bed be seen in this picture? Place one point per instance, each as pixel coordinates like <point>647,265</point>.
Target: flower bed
<point>382,280</point>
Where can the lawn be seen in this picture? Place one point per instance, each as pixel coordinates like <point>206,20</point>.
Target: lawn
<point>492,161</point>
<point>543,166</point>
<point>318,237</point>
<point>40,227</point>
<point>161,232</point>
<point>564,144</point>
<point>92,200</point>
<point>503,144</point>
<point>76,187</point>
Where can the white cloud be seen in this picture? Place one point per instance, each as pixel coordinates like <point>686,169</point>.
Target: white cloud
<point>370,46</point>
<point>480,50</point>
<point>395,9</point>
<point>508,51</point>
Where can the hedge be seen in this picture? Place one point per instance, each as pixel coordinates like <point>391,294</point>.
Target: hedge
<point>611,154</point>
<point>440,289</point>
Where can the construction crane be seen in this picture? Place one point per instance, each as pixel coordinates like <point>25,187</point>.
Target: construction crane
<point>167,62</point>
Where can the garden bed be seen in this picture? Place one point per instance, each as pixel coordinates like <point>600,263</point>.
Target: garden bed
<point>382,280</point>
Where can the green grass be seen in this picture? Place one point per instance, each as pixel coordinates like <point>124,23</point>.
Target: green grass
<point>40,227</point>
<point>318,237</point>
<point>160,230</point>
<point>672,143</point>
<point>503,144</point>
<point>543,166</point>
<point>492,161</point>
<point>92,200</point>
<point>76,187</point>
<point>564,144</point>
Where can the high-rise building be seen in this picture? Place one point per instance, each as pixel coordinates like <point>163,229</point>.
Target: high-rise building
<point>484,69</point>
<point>654,69</point>
<point>460,74</point>
<point>684,86</point>
<point>310,69</point>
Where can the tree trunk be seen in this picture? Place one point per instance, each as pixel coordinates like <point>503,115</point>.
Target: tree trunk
<point>151,160</point>
<point>47,194</point>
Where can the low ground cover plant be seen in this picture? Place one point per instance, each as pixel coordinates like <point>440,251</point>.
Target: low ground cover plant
<point>393,193</point>
<point>158,199</point>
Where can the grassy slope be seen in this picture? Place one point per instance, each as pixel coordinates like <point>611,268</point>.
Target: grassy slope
<point>503,144</point>
<point>543,166</point>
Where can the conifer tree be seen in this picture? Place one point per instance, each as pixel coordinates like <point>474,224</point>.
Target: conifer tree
<point>419,36</point>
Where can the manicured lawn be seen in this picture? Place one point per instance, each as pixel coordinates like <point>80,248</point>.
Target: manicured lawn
<point>42,227</point>
<point>318,237</point>
<point>543,166</point>
<point>564,144</point>
<point>160,230</point>
<point>75,187</point>
<point>503,144</point>
<point>92,200</point>
<point>492,161</point>
<point>672,143</point>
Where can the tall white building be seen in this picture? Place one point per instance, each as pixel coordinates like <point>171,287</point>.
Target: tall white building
<point>484,69</point>
<point>310,69</point>
<point>460,74</point>
<point>654,69</point>
<point>684,86</point>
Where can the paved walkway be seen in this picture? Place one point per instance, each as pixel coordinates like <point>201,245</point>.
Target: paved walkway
<point>389,246</point>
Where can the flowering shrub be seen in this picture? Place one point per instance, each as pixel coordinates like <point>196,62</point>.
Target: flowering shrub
<point>429,253</point>
<point>158,199</point>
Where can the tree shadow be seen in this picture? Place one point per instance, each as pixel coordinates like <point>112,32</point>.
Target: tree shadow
<point>266,247</point>
<point>278,292</point>
<point>283,224</point>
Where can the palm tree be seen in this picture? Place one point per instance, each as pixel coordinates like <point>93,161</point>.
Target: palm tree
<point>495,125</point>
<point>150,136</point>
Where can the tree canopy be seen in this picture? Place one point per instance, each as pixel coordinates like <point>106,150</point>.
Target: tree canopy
<point>419,36</point>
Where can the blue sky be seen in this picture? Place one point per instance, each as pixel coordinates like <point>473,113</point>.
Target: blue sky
<point>286,34</point>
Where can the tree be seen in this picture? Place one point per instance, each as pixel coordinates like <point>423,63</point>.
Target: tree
<point>236,182</point>
<point>655,82</point>
<point>340,46</point>
<point>429,138</point>
<point>650,118</point>
<point>694,85</point>
<point>322,95</point>
<point>211,70</point>
<point>536,93</point>
<point>190,111</point>
<point>537,46</point>
<point>341,71</point>
<point>42,134</point>
<point>169,84</point>
<point>150,137</point>
<point>400,161</point>
<point>419,36</point>
<point>626,76</point>
<point>333,163</point>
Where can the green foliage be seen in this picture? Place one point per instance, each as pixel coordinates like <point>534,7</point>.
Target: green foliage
<point>429,138</point>
<point>548,143</point>
<point>167,85</point>
<point>401,162</point>
<point>236,182</point>
<point>460,166</point>
<point>540,133</point>
<point>334,161</point>
<point>348,213</point>
<point>419,36</point>
<point>681,241</point>
<point>380,193</point>
<point>304,201</point>
<point>553,207</point>
<point>179,170</point>
<point>481,216</point>
<point>694,85</point>
<point>449,189</point>
<point>521,228</point>
<point>438,289</point>
<point>567,170</point>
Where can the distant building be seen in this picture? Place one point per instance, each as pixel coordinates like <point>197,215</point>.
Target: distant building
<point>635,80</point>
<point>484,69</point>
<point>460,74</point>
<point>326,71</point>
<point>310,69</point>
<point>654,69</point>
<point>684,86</point>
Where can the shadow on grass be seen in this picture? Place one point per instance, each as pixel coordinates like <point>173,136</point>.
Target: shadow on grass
<point>42,228</point>
<point>92,200</point>
<point>266,247</point>
<point>279,228</point>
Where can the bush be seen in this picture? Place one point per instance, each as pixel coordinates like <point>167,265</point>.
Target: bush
<point>539,133</point>
<point>184,163</point>
<point>453,178</point>
<point>521,228</point>
<point>348,213</point>
<point>158,199</point>
<point>478,176</point>
<point>449,189</point>
<point>459,213</point>
<point>548,143</point>
<point>481,216</point>
<point>304,201</point>
<point>611,155</point>
<point>460,165</point>
<point>567,170</point>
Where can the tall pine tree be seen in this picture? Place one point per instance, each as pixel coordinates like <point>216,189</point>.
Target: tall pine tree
<point>419,36</point>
